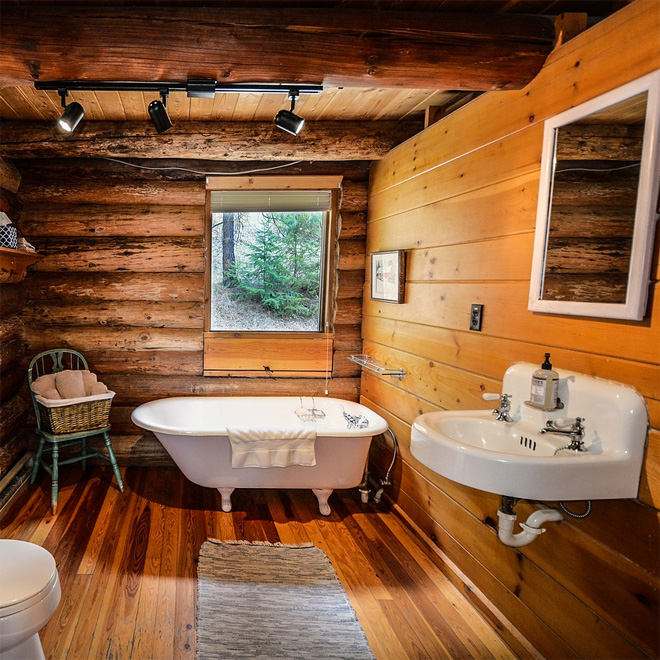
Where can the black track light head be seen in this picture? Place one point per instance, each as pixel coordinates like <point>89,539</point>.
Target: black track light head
<point>287,120</point>
<point>159,116</point>
<point>71,117</point>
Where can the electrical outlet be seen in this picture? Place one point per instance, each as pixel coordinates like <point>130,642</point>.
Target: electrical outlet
<point>476,312</point>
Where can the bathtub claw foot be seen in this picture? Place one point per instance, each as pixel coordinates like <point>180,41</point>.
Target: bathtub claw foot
<point>322,495</point>
<point>225,493</point>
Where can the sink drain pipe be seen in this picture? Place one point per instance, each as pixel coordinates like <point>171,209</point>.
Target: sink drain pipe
<point>531,528</point>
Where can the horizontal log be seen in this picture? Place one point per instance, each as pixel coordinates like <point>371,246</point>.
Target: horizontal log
<point>245,141</point>
<point>111,220</point>
<point>352,254</point>
<point>89,338</point>
<point>618,142</point>
<point>11,382</point>
<point>10,177</point>
<point>11,327</point>
<point>350,284</point>
<point>157,362</point>
<point>153,314</point>
<point>12,419</point>
<point>167,169</point>
<point>582,189</point>
<point>347,337</point>
<point>128,191</point>
<point>11,352</point>
<point>591,221</point>
<point>133,389</point>
<point>349,311</point>
<point>596,288</point>
<point>353,47</point>
<point>82,287</point>
<point>12,299</point>
<point>12,449</point>
<point>599,255</point>
<point>353,224</point>
<point>119,254</point>
<point>354,197</point>
<point>11,204</point>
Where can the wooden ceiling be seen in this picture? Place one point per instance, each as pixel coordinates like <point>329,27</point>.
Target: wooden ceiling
<point>378,59</point>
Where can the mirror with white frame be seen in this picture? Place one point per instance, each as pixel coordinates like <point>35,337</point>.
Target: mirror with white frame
<point>598,205</point>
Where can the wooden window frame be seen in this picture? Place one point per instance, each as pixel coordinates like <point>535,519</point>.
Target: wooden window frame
<point>274,353</point>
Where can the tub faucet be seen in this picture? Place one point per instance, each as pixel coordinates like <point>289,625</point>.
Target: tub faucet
<point>502,412</point>
<point>575,432</point>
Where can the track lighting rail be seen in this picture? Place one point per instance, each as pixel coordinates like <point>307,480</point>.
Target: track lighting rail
<point>199,88</point>
<point>195,88</point>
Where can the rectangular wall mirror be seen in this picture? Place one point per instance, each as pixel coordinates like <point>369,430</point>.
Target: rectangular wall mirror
<point>598,205</point>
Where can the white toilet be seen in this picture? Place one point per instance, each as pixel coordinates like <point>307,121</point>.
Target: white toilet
<point>29,595</point>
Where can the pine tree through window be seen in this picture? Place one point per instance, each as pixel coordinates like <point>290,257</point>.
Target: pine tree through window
<point>267,260</point>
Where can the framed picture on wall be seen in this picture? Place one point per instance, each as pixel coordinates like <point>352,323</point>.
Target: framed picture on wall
<point>388,276</point>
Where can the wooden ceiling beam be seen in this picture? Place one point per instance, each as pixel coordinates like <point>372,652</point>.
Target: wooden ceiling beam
<point>234,141</point>
<point>340,47</point>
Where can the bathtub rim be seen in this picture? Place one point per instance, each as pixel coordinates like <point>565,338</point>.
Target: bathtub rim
<point>372,430</point>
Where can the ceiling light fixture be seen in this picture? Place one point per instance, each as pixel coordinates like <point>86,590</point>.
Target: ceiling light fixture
<point>158,113</point>
<point>73,113</point>
<point>287,120</point>
<point>194,88</point>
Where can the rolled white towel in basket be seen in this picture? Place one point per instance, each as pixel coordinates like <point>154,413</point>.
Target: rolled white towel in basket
<point>263,447</point>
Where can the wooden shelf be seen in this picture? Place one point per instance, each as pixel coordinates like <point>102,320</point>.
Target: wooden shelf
<point>14,263</point>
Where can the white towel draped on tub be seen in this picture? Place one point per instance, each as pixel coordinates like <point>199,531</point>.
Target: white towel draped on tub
<point>264,447</point>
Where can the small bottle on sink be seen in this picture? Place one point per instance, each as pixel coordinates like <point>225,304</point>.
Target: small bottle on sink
<point>545,382</point>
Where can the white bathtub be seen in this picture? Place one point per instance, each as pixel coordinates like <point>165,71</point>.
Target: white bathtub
<point>193,431</point>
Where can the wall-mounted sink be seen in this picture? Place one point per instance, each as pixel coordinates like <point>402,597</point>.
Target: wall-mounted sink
<point>515,459</point>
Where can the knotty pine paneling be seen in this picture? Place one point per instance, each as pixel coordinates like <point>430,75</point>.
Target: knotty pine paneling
<point>461,199</point>
<point>122,281</point>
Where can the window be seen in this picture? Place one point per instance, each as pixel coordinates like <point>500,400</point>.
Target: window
<point>270,243</point>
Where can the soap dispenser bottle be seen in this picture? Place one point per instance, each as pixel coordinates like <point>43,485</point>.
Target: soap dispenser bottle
<point>545,382</point>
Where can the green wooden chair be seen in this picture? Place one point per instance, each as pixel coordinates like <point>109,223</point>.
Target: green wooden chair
<point>50,362</point>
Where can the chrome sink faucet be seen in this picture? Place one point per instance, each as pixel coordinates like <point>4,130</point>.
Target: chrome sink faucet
<point>575,432</point>
<point>502,411</point>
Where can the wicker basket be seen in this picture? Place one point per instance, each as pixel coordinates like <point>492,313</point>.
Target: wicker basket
<point>75,417</point>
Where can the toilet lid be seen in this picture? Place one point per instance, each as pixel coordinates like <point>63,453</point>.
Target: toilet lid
<point>26,571</point>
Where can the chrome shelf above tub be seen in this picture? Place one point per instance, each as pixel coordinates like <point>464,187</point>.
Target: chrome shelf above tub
<point>369,363</point>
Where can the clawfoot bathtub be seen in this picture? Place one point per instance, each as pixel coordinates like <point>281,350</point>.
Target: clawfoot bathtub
<point>193,430</point>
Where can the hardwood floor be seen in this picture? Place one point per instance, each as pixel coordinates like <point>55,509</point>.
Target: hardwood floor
<point>127,564</point>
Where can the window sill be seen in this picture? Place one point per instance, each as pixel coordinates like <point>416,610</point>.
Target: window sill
<point>272,355</point>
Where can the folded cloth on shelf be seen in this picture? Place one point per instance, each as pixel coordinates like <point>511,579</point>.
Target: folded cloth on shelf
<point>264,447</point>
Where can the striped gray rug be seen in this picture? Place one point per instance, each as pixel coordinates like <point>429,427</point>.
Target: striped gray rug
<point>273,602</point>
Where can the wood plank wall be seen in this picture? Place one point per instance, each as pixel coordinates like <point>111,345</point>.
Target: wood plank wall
<point>122,282</point>
<point>461,199</point>
<point>13,407</point>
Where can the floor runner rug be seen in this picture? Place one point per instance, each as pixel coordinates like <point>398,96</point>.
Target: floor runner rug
<point>273,602</point>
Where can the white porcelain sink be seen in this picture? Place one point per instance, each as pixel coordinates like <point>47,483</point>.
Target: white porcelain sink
<point>515,459</point>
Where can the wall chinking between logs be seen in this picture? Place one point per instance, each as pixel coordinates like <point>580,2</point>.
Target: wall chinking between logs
<point>461,197</point>
<point>13,406</point>
<point>122,281</point>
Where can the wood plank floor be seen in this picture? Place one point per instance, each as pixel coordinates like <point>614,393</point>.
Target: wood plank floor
<point>127,563</point>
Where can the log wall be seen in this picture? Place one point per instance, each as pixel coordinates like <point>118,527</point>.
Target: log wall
<point>461,199</point>
<point>122,281</point>
<point>13,406</point>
